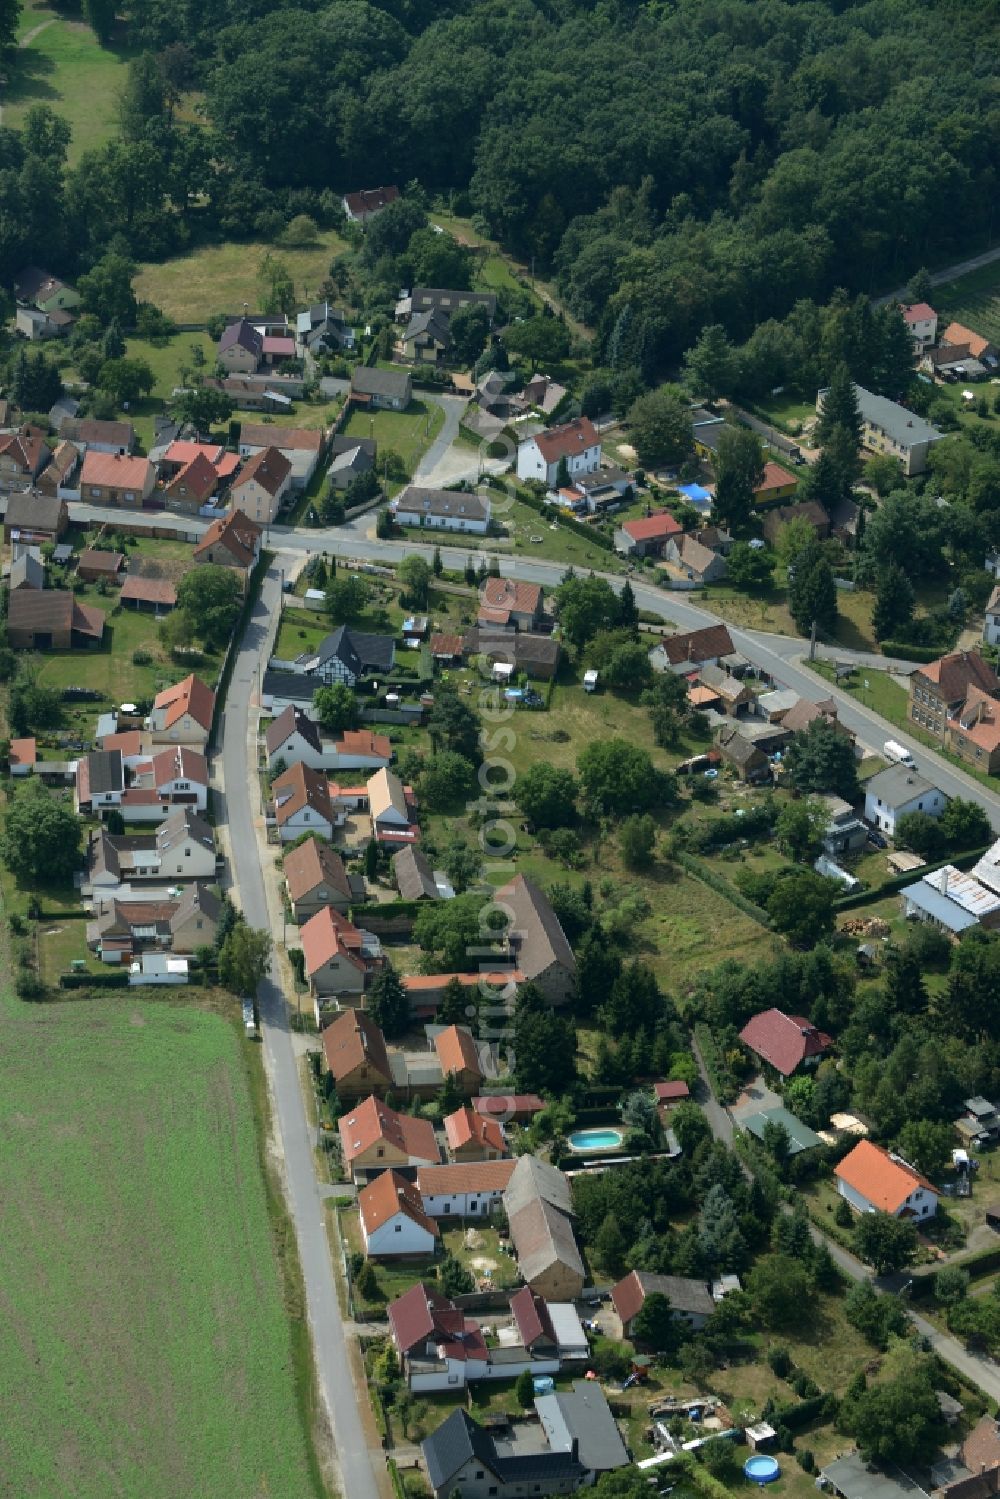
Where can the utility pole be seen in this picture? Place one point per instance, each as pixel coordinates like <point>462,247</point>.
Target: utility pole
<point>812,642</point>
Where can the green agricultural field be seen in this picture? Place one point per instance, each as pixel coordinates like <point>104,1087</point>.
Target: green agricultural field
<point>222,278</point>
<point>141,1277</point>
<point>973,300</point>
<point>61,64</point>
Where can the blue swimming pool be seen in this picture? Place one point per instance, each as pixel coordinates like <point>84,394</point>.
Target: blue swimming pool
<point>584,1140</point>
<point>762,1469</point>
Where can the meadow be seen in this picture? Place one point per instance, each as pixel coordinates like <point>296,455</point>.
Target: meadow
<point>973,300</point>
<point>141,1278</point>
<point>60,63</point>
<point>223,277</point>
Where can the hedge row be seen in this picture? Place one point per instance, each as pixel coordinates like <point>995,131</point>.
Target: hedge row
<point>797,1416</point>
<point>93,981</point>
<point>721,886</point>
<point>409,909</point>
<point>724,1085</point>
<point>550,512</point>
<point>907,652</point>
<point>899,881</point>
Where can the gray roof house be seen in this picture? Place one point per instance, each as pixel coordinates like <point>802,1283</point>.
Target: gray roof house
<point>887,427</point>
<point>391,389</point>
<point>539,1209</point>
<point>461,1458</point>
<point>350,464</point>
<point>347,654</point>
<point>447,509</point>
<point>414,876</point>
<point>579,1421</point>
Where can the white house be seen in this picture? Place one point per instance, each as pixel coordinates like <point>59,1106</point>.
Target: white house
<point>440,1348</point>
<point>894,792</point>
<point>172,778</point>
<point>873,1181</point>
<point>293,737</point>
<point>991,627</point>
<point>922,321</point>
<point>303,804</point>
<point>473,1189</point>
<point>387,803</point>
<point>393,1220</point>
<point>443,510</point>
<point>158,968</point>
<point>539,457</point>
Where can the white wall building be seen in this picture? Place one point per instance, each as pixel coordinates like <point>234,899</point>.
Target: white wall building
<point>538,457</point>
<point>896,791</point>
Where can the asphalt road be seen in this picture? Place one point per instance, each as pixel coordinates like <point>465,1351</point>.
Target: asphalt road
<point>337,1389</point>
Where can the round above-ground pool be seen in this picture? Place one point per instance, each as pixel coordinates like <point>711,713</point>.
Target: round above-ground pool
<point>585,1140</point>
<point>762,1469</point>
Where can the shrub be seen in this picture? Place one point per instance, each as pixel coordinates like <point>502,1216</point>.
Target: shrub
<point>17,924</point>
<point>805,1460</point>
<point>29,986</point>
<point>141,658</point>
<point>780,1361</point>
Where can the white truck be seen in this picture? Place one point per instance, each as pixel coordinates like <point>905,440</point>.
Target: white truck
<point>898,754</point>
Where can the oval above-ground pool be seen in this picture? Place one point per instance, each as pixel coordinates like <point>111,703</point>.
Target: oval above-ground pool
<point>585,1140</point>
<point>762,1469</point>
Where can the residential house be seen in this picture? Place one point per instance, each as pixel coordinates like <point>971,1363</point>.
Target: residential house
<point>322,329</point>
<point>193,486</point>
<point>315,878</point>
<point>174,777</point>
<point>442,509</point>
<point>922,321</point>
<point>733,694</point>
<point>747,758</point>
<point>374,1138</point>
<point>393,1221</point>
<point>32,519</point>
<point>35,287</point>
<point>502,601</point>
<point>472,1190</point>
<point>100,782</point>
<point>390,808</point>
<point>873,1181</point>
<point>471,1136</point>
<point>682,653</point>
<point>22,756</point>
<point>440,1348</point>
<point>27,570</point>
<point>991,625</point>
<point>512,1108</point>
<point>35,325</point>
<point>293,736</point>
<point>261,486</point>
<point>425,991</point>
<point>707,428</point>
<point>58,473</point>
<point>384,390</point>
<point>690,1300</point>
<point>784,1042</point>
<point>93,566</point>
<point>23,456</point>
<point>537,656</point>
<point>303,804</point>
<point>341,960</point>
<point>446,299</point>
<point>264,392</point>
<point>122,928</point>
<point>777,485</point>
<point>116,479</point>
<point>231,541</point>
<point>939,689</point>
<point>351,460</point>
<point>356,1057</point>
<point>894,792</point>
<point>427,336</point>
<point>845,831</point>
<point>175,455</point>
<point>887,427</point>
<point>952,901</point>
<point>302,447</point>
<point>973,733</point>
<point>536,943</point>
<point>155,594</point>
<point>577,442</point>
<point>183,713</point>
<point>979,1126</point>
<point>543,394</point>
<point>413,875</point>
<point>98,435</point>
<point>697,563</point>
<point>52,619</point>
<point>458,1055</point>
<point>539,1208</point>
<point>963,340</point>
<point>799,1136</point>
<point>182,848</point>
<point>241,348</point>
<point>812,511</point>
<point>364,204</point>
<point>803,712</point>
<point>347,655</point>
<point>447,649</point>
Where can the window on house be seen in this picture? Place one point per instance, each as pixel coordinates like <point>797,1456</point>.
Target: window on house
<point>396,1228</point>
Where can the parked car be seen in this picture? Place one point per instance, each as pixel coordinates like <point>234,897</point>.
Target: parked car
<point>876,839</point>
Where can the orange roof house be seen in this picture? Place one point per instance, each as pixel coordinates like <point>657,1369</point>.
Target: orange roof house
<point>393,1221</point>
<point>339,959</point>
<point>872,1181</point>
<point>374,1138</point>
<point>183,714</point>
<point>958,336</point>
<point>474,1137</point>
<point>459,1056</point>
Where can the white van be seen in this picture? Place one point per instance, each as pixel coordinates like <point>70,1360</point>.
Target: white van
<point>898,754</point>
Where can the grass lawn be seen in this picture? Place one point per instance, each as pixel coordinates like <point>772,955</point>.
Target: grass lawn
<point>65,67</point>
<point>770,612</point>
<point>408,433</point>
<point>141,1274</point>
<point>973,300</point>
<point>540,537</point>
<point>787,412</point>
<point>222,277</point>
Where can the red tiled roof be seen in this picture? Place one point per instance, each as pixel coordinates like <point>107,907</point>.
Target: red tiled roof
<point>467,1127</point>
<point>417,1315</point>
<point>457,1051</point>
<point>115,470</point>
<point>236,532</point>
<point>668,1092</point>
<point>775,477</point>
<point>179,763</point>
<point>299,787</point>
<point>373,1121</point>
<point>197,479</point>
<point>23,752</point>
<point>371,199</point>
<point>364,742</point>
<point>508,1105</point>
<point>957,334</point>
<point>531,1314</point>
<point>698,645</point>
<point>465,1176</point>
<point>189,696</point>
<point>268,467</point>
<point>314,863</point>
<point>446,645</point>
<point>129,742</point>
<point>563,442</point>
<point>387,1195</point>
<point>327,935</point>
<point>354,1041</point>
<point>917,312</point>
<point>505,593</point>
<point>955,673</point>
<point>653,527</point>
<point>783,1040</point>
<point>286,439</point>
<point>880,1180</point>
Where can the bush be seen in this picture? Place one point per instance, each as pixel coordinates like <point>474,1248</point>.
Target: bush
<point>29,986</point>
<point>141,658</point>
<point>780,1361</point>
<point>805,1460</point>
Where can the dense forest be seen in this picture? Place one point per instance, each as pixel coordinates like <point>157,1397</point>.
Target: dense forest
<point>673,164</point>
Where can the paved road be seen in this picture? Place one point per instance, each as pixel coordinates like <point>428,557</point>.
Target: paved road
<point>950,273</point>
<point>238,811</point>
